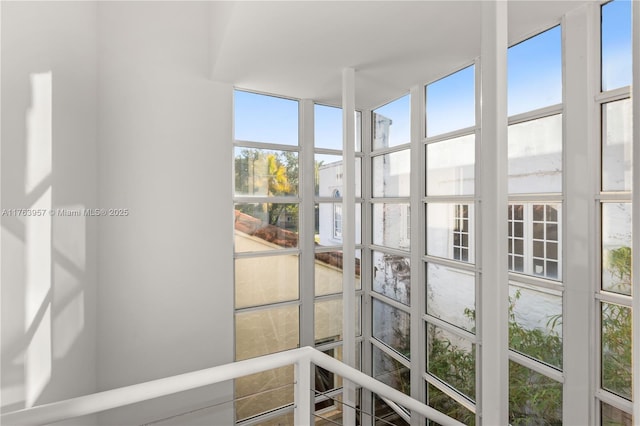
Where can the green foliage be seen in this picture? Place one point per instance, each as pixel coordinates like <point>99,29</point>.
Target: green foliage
<point>260,172</point>
<point>616,329</point>
<point>535,399</point>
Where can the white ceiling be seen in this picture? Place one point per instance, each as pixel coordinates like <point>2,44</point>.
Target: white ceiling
<point>299,48</point>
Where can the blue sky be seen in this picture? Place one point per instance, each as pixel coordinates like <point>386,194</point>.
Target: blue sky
<point>616,44</point>
<point>534,81</point>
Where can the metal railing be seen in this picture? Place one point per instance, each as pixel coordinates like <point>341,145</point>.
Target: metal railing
<point>301,359</point>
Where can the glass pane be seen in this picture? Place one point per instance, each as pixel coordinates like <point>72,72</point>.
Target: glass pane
<point>443,403</point>
<point>385,415</point>
<point>264,280</point>
<point>535,324</point>
<point>611,416</point>
<point>545,241</point>
<point>392,276</point>
<point>535,156</point>
<point>451,295</point>
<point>392,124</point>
<point>329,176</point>
<point>450,166</point>
<point>264,118</point>
<point>266,331</point>
<point>535,72</point>
<point>534,399</point>
<point>452,359</point>
<point>390,371</point>
<point>451,103</point>
<point>616,349</point>
<point>391,174</point>
<point>616,44</point>
<point>616,146</point>
<point>450,231</point>
<point>261,392</point>
<point>261,172</point>
<point>265,226</point>
<point>616,247</point>
<point>392,225</point>
<point>328,273</point>
<point>391,326</point>
<point>328,320</point>
<point>329,220</point>
<point>326,380</point>
<point>328,127</point>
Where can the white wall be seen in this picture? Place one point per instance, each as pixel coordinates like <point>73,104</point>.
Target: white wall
<point>108,104</point>
<point>49,145</point>
<point>165,148</point>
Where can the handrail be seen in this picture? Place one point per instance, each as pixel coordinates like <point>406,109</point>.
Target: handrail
<point>301,357</point>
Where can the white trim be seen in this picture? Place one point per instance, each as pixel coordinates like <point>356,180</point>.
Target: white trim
<point>635,12</point>
<point>389,351</point>
<point>348,238</point>
<point>536,114</point>
<point>454,134</point>
<point>537,366</point>
<point>450,328</point>
<point>302,358</point>
<point>493,316</point>
<point>450,392</point>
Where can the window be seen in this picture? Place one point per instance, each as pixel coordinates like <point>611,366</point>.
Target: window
<point>533,243</point>
<point>390,236</point>
<point>461,233</point>
<point>450,183</point>
<point>613,294</point>
<point>337,217</point>
<point>534,223</point>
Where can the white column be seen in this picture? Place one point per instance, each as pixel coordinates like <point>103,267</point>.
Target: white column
<point>302,395</point>
<point>635,98</point>
<point>349,239</point>
<point>493,316</point>
<point>307,223</point>
<point>579,184</point>
<point>417,249</point>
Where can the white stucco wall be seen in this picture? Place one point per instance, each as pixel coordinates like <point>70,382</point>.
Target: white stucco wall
<point>49,159</point>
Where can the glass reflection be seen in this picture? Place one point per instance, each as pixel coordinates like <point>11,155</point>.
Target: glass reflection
<point>450,231</point>
<point>391,371</point>
<point>392,124</point>
<point>266,331</point>
<point>451,166</point>
<point>443,403</point>
<point>328,320</point>
<point>452,359</point>
<point>392,276</point>
<point>535,324</point>
<point>391,326</point>
<point>616,145</point>
<point>451,102</point>
<point>451,295</point>
<point>265,226</point>
<point>261,172</point>
<point>264,280</point>
<point>616,247</point>
<point>616,349</point>
<point>534,399</point>
<point>535,156</point>
<point>391,174</point>
<point>392,225</point>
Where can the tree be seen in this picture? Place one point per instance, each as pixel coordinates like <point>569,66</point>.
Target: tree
<point>267,173</point>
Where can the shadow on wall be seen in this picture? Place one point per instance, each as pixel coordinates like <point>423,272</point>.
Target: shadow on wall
<point>43,265</point>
